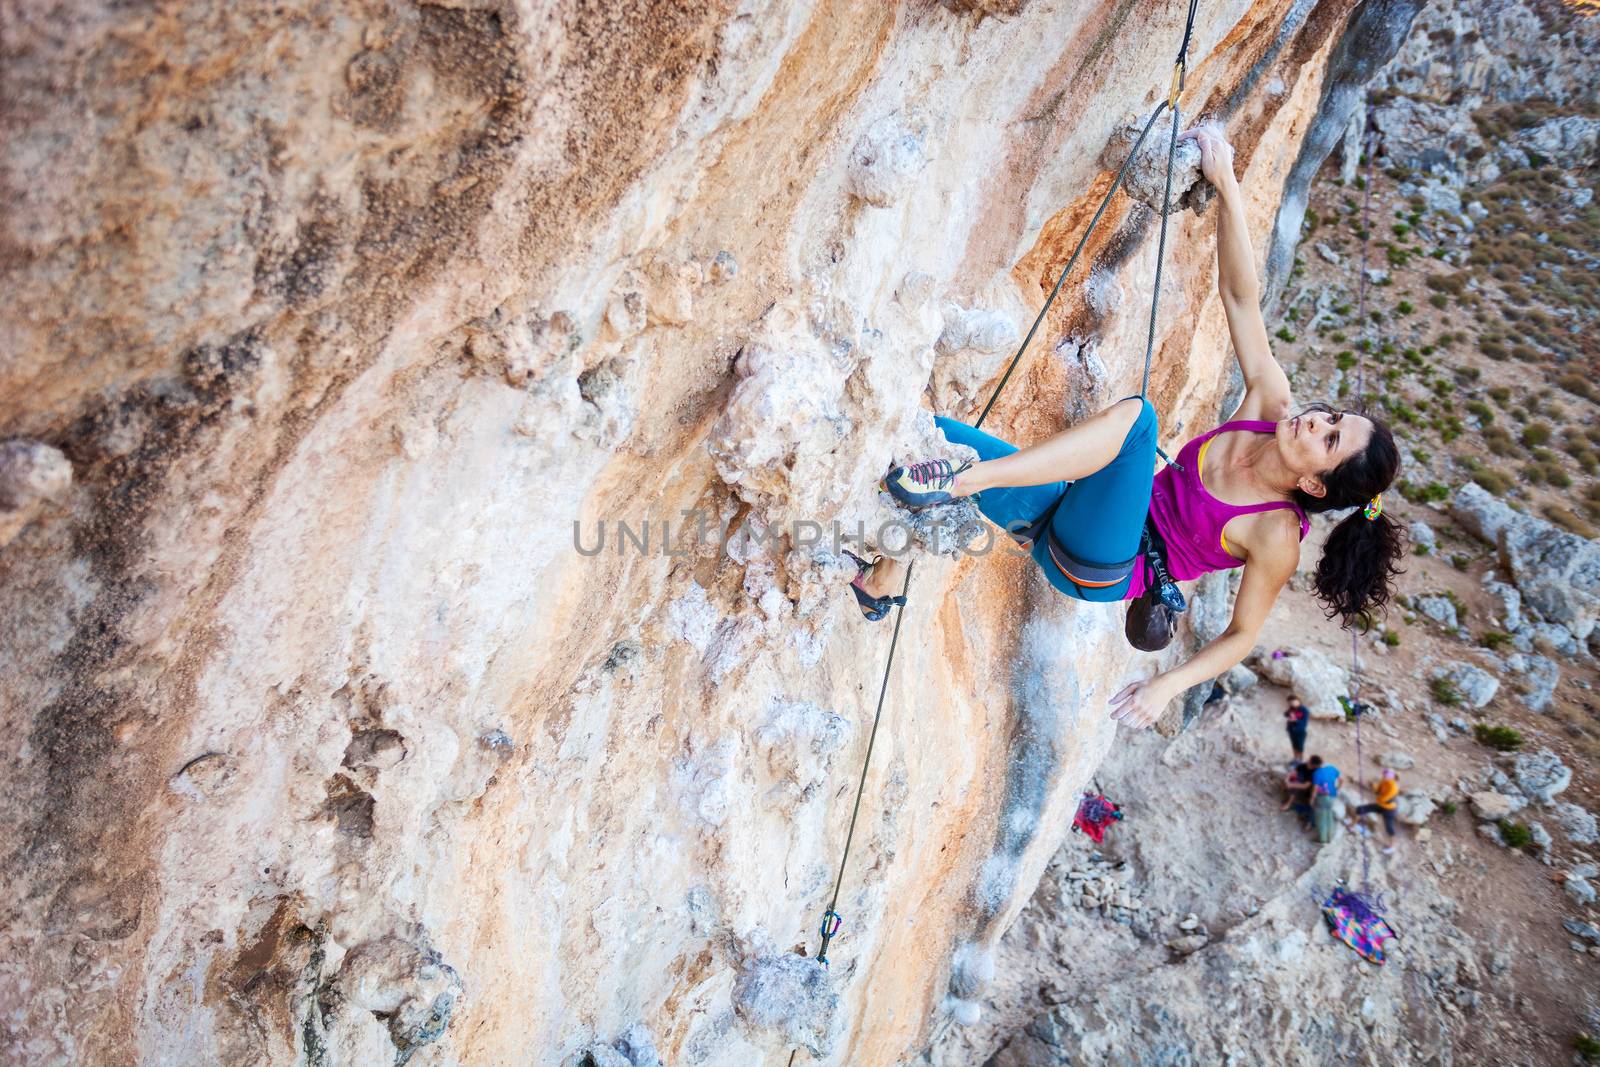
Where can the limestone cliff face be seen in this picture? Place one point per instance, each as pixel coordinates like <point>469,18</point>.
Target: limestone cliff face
<point>337,337</point>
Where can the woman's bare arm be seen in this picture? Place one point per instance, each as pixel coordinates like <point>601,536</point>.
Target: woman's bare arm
<point>1266,572</point>
<point>1266,386</point>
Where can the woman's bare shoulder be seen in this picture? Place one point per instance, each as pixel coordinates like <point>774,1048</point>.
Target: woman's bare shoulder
<point>1272,539</point>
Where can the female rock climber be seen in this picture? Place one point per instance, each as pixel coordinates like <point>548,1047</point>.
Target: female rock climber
<point>1237,496</point>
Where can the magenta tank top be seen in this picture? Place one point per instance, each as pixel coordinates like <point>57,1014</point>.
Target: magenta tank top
<point>1191,520</point>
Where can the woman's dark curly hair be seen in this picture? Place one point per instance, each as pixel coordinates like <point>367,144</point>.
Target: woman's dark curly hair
<point>1355,576</point>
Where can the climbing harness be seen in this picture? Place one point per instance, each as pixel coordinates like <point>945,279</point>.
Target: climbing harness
<point>1095,815</point>
<point>1356,917</point>
<point>831,920</point>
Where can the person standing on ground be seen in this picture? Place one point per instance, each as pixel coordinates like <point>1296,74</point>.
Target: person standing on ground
<point>1324,791</point>
<point>1385,795</point>
<point>1297,717</point>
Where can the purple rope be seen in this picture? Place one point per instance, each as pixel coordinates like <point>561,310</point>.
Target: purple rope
<point>1361,778</point>
<point>1369,145</point>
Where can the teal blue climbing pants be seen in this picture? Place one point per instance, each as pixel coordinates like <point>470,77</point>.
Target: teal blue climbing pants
<point>1101,517</point>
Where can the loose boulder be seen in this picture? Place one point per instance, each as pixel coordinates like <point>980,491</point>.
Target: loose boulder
<point>1318,681</point>
<point>1541,775</point>
<point>1538,683</point>
<point>1440,609</point>
<point>1491,806</point>
<point>1578,824</point>
<point>1481,514</point>
<point>1558,572</point>
<point>1413,807</point>
<point>1475,685</point>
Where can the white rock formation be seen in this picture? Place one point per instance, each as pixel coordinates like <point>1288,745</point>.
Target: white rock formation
<point>1318,681</point>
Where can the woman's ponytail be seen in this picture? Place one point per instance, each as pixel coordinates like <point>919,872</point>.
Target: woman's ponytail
<point>1360,559</point>
<point>1355,577</point>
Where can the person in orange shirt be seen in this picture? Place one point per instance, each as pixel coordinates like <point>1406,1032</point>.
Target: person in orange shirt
<point>1384,795</point>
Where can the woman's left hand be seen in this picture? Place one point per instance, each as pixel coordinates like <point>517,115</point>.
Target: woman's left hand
<point>1216,154</point>
<point>1141,703</point>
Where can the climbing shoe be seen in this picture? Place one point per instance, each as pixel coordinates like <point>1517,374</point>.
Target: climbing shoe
<point>873,607</point>
<point>923,485</point>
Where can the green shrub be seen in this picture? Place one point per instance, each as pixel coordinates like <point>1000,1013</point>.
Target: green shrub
<point>1445,692</point>
<point>1577,385</point>
<point>1537,433</point>
<point>1405,307</point>
<point>1431,493</point>
<point>1499,442</point>
<point>1514,834</point>
<point>1439,300</point>
<point>1283,334</point>
<point>1494,350</point>
<point>1499,738</point>
<point>1494,640</point>
<point>1391,638</point>
<point>1587,1048</point>
<point>1500,394</point>
<point>1449,807</point>
<point>1481,411</point>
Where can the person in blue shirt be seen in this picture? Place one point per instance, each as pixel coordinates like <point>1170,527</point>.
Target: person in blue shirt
<point>1324,789</point>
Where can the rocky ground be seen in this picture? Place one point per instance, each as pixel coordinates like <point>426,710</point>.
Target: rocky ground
<point>1170,937</point>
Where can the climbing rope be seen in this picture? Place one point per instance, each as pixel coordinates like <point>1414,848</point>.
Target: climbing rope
<point>831,919</point>
<point>1359,710</point>
<point>1369,147</point>
<point>1180,70</point>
